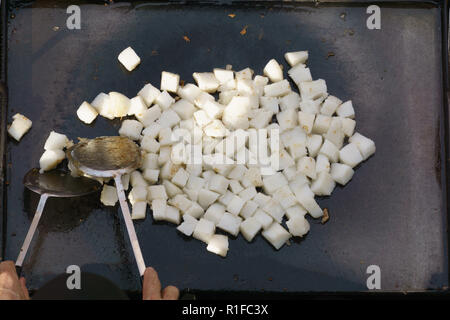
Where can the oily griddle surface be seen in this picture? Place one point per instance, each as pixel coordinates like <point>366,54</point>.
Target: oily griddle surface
<point>391,214</point>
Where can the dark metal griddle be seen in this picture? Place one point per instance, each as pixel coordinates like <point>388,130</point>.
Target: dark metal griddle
<point>393,213</point>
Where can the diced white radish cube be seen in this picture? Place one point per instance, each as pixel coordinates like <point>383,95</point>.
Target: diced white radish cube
<point>222,75</point>
<point>322,164</point>
<point>237,172</point>
<point>226,96</point>
<point>159,207</point>
<point>188,225</point>
<point>235,186</point>
<point>138,193</point>
<point>201,118</point>
<point>184,109</point>
<point>263,218</point>
<point>299,74</point>
<point>312,90</point>
<point>149,94</point>
<point>310,106</point>
<point>156,192</point>
<point>180,178</point>
<point>314,143</point>
<point>273,71</point>
<point>341,173</point>
<point>287,119</point>
<point>189,92</point>
<point>138,210</point>
<point>246,73</point>
<point>329,150</point>
<point>301,188</point>
<point>87,113</point>
<point>136,179</point>
<point>323,185</point>
<point>150,144</point>
<point>218,244</point>
<point>207,197</point>
<point>307,166</point>
<point>348,126</point>
<point>312,207</point>
<point>249,209</point>
<point>365,145</point>
<point>149,116</point>
<point>201,100</point>
<point>350,155</point>
<point>137,106</point>
<point>215,212</point>
<point>285,197</point>
<point>274,182</point>
<point>109,195</point>
<point>277,89</point>
<point>126,181</point>
<point>230,223</point>
<point>290,173</point>
<point>335,133</point>
<point>330,105</point>
<point>253,175</point>
<point>165,138</point>
<point>129,59</point>
<point>169,81</point>
<point>306,121</point>
<point>172,215</point>
<point>192,194</point>
<point>215,129</point>
<point>346,110</point>
<point>295,211</point>
<point>181,202</point>
<point>195,182</point>
<point>249,228</point>
<point>321,124</point>
<point>206,81</point>
<point>131,129</point>
<point>269,103</point>
<point>274,209</point>
<point>248,193</point>
<point>119,104</point>
<point>244,87</point>
<point>56,141</point>
<point>218,184</point>
<point>262,119</point>
<point>204,230</point>
<point>164,100</point>
<point>50,159</point>
<point>298,226</point>
<point>276,235</point>
<point>213,109</point>
<point>151,175</point>
<point>150,161</point>
<point>235,205</point>
<point>296,57</point>
<point>100,103</point>
<point>171,189</point>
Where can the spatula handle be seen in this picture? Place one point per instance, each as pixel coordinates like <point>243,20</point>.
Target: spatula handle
<point>31,231</point>
<point>130,227</point>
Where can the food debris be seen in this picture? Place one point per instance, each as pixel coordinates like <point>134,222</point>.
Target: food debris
<point>243,31</point>
<point>232,15</point>
<point>261,35</point>
<point>350,32</point>
<point>182,83</point>
<point>154,53</point>
<point>186,38</point>
<point>330,54</point>
<point>55,28</point>
<point>343,15</point>
<point>326,216</point>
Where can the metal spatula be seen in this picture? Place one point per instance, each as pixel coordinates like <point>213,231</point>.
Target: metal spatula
<point>111,157</point>
<point>54,183</point>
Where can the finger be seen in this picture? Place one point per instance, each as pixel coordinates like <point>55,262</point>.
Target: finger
<point>23,285</point>
<point>152,286</point>
<point>170,293</point>
<point>9,267</point>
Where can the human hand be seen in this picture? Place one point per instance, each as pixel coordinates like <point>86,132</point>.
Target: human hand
<point>152,288</point>
<point>11,288</point>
